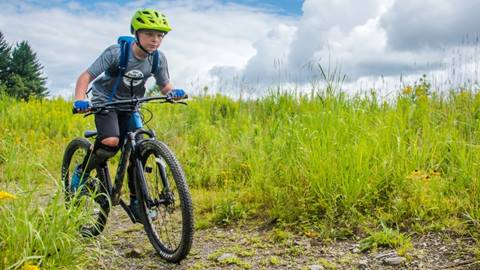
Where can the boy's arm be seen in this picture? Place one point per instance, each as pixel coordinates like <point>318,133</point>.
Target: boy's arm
<point>162,76</point>
<point>167,88</point>
<point>108,59</point>
<point>82,85</point>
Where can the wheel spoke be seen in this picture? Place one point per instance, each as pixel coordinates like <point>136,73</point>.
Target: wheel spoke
<point>162,194</point>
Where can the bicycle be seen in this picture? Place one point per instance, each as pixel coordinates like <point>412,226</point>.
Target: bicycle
<point>160,185</point>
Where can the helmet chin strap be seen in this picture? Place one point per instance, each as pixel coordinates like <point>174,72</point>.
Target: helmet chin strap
<point>140,45</point>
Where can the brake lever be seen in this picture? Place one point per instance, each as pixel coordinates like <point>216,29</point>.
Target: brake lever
<point>172,101</point>
<point>93,111</point>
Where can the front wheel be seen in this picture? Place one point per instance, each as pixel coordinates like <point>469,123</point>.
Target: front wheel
<point>91,197</point>
<point>165,202</point>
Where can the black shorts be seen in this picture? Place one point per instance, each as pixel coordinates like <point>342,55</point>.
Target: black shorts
<point>112,124</point>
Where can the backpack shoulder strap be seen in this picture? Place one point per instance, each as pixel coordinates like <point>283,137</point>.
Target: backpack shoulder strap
<point>156,57</point>
<point>125,43</point>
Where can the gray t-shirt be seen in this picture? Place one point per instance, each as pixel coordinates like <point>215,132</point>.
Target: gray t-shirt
<point>133,82</point>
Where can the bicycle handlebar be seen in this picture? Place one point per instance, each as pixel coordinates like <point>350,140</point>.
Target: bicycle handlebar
<point>133,101</point>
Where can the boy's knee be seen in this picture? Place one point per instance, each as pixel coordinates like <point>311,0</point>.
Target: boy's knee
<point>105,152</point>
<point>111,141</point>
<point>107,147</point>
<point>102,152</point>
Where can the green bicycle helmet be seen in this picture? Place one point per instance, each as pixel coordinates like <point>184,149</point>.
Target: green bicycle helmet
<point>149,19</point>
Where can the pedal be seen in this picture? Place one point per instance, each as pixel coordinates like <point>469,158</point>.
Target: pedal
<point>152,214</point>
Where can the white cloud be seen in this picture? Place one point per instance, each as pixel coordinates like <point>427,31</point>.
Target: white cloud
<point>233,46</point>
<point>323,21</point>
<point>430,24</point>
<point>271,51</point>
<point>368,40</point>
<point>213,35</point>
<point>68,39</point>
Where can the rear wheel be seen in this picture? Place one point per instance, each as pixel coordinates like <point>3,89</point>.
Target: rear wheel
<point>165,202</point>
<point>91,196</point>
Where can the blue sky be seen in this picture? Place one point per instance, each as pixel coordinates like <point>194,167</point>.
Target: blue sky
<point>246,45</point>
<point>284,7</point>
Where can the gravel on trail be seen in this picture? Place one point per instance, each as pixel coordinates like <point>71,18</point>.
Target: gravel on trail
<point>125,246</point>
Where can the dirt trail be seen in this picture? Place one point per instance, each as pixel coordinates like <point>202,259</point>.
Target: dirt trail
<point>126,247</point>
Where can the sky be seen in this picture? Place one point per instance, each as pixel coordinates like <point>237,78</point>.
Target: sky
<point>247,47</point>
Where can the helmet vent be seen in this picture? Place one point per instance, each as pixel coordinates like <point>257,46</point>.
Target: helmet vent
<point>152,21</point>
<point>140,20</point>
<point>146,12</point>
<point>156,13</point>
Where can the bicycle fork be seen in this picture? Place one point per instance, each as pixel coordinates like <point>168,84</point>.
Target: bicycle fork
<point>165,197</point>
<point>163,175</point>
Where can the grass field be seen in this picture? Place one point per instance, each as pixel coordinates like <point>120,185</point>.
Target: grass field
<point>324,164</point>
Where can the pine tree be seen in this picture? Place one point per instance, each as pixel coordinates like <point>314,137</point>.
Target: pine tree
<point>17,88</point>
<point>4,60</point>
<point>26,78</point>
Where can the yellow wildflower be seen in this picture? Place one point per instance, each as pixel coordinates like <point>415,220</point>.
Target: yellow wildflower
<point>423,175</point>
<point>29,266</point>
<point>5,196</point>
<point>407,90</point>
<point>311,234</point>
<point>244,165</point>
<point>418,175</point>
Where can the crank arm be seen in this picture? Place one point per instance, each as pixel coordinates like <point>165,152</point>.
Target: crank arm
<point>129,212</point>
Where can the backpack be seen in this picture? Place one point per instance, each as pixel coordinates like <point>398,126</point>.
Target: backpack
<point>125,43</point>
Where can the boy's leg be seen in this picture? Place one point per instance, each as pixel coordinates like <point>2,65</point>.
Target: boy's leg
<point>105,146</point>
<point>106,143</point>
<point>100,155</point>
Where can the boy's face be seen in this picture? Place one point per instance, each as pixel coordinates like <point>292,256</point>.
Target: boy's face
<point>150,39</point>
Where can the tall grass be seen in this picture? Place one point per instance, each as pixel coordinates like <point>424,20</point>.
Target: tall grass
<point>46,236</point>
<point>328,162</point>
<point>332,162</point>
<point>35,228</point>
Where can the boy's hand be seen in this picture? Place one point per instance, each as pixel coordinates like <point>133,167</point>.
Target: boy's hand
<point>81,105</point>
<point>176,94</point>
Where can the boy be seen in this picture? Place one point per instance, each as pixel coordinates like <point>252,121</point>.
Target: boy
<point>149,27</point>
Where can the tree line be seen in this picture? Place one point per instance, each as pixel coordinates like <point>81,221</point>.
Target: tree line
<point>21,73</point>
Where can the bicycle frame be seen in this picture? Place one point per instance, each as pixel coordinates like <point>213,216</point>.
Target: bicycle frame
<point>136,128</point>
<point>130,153</point>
